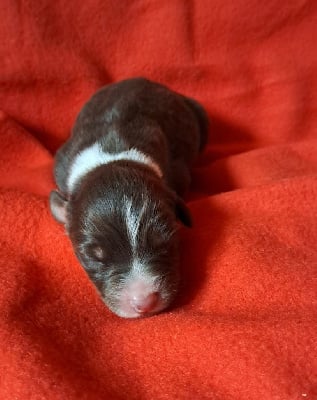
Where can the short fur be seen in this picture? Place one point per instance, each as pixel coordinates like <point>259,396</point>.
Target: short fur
<point>122,214</point>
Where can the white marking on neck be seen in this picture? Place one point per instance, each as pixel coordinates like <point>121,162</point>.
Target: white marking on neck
<point>93,157</point>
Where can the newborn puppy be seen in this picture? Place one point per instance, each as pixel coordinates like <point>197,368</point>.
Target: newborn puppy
<point>120,177</point>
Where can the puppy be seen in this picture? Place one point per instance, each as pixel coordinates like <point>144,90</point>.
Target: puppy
<point>120,179</point>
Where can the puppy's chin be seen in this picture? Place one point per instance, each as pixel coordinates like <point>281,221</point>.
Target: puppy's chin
<point>125,309</point>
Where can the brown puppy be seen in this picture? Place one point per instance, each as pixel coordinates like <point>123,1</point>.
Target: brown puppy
<point>120,177</point>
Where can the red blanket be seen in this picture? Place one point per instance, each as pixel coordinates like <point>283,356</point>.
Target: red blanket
<point>244,326</point>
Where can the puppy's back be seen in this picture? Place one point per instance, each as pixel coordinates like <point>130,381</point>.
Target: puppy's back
<point>137,113</point>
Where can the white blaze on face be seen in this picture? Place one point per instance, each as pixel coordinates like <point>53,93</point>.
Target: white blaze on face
<point>133,219</point>
<point>140,292</point>
<point>93,157</point>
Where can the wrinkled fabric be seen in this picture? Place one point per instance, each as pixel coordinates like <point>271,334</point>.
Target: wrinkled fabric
<point>245,321</point>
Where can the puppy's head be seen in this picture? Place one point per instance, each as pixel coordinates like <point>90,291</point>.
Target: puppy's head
<point>123,226</point>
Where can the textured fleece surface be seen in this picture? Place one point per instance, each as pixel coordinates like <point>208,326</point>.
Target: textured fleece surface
<point>244,326</point>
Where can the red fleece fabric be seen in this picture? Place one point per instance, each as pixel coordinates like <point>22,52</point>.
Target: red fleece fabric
<point>244,326</point>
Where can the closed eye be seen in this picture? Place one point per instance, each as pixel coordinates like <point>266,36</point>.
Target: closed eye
<point>99,253</point>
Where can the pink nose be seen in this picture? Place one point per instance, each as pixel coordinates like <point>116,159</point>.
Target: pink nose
<point>145,304</point>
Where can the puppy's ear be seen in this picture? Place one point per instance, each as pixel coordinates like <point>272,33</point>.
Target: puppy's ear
<point>182,212</point>
<point>58,206</point>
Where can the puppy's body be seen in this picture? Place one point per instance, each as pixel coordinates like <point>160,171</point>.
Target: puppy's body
<point>119,177</point>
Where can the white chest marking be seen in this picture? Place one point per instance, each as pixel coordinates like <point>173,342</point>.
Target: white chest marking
<point>93,157</point>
